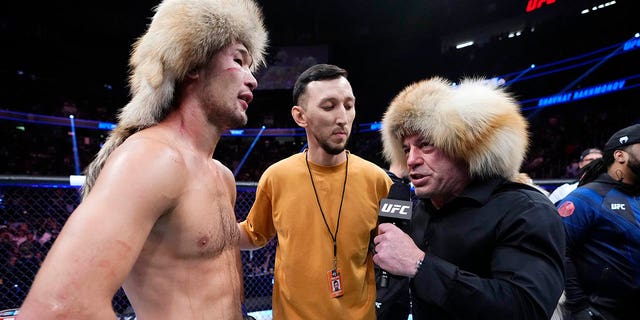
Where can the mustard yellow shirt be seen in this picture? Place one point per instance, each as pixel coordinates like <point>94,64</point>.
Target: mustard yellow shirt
<point>286,205</point>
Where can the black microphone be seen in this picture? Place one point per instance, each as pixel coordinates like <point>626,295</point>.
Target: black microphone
<point>396,208</point>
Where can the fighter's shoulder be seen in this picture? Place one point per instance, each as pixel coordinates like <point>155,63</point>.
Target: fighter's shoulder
<point>590,194</point>
<point>140,153</point>
<point>150,147</point>
<point>143,164</point>
<point>225,172</point>
<point>220,166</point>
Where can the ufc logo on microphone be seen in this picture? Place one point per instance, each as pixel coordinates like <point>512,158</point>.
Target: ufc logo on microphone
<point>395,208</point>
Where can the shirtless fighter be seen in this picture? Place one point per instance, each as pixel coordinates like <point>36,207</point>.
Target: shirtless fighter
<point>157,215</point>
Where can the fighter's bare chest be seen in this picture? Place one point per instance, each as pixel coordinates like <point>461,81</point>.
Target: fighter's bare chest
<point>202,225</point>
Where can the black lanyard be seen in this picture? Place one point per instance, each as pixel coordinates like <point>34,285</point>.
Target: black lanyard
<point>334,237</point>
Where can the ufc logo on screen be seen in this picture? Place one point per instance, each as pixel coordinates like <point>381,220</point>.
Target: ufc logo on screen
<point>536,4</point>
<point>395,208</point>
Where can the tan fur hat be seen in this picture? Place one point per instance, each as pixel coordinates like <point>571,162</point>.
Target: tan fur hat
<point>475,121</point>
<point>183,35</point>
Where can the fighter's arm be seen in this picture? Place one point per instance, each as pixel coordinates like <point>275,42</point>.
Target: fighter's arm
<point>103,237</point>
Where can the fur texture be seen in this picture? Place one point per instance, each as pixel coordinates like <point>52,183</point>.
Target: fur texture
<point>183,35</point>
<point>475,121</point>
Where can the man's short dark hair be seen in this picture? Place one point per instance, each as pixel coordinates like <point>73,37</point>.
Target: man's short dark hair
<point>316,73</point>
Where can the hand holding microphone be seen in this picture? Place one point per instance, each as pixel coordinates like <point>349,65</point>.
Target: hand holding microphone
<point>395,209</point>
<point>396,252</point>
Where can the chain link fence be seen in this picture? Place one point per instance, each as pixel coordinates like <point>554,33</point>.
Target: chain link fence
<point>32,214</point>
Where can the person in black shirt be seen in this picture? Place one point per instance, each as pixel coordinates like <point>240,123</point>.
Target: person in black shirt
<point>482,245</point>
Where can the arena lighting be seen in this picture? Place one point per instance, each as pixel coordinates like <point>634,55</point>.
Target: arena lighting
<point>627,83</point>
<point>375,126</point>
<point>633,43</point>
<point>464,44</point>
<point>581,94</point>
<point>246,155</point>
<point>34,181</point>
<point>236,132</point>
<point>514,34</point>
<point>597,7</point>
<point>76,157</point>
<point>76,180</point>
<point>518,76</point>
<point>106,125</point>
<point>578,61</point>
<point>531,72</point>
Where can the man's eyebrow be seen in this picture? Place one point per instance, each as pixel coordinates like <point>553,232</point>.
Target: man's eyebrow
<point>334,99</point>
<point>245,54</point>
<point>327,99</point>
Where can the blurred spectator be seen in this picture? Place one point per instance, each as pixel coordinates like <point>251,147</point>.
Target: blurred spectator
<point>7,250</point>
<point>586,157</point>
<point>47,233</point>
<point>24,270</point>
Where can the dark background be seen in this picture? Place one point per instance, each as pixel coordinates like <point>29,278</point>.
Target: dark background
<point>71,57</point>
<point>78,47</point>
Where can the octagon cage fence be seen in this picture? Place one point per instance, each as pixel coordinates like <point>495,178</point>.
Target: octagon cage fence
<point>34,209</point>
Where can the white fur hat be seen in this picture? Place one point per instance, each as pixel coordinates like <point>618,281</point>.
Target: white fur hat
<point>475,121</point>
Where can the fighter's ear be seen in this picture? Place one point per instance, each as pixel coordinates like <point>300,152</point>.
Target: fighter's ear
<point>299,116</point>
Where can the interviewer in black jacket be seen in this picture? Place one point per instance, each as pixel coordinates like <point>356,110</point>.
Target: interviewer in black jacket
<point>482,245</point>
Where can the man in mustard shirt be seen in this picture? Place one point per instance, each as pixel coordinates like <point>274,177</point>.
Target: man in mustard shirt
<point>323,205</point>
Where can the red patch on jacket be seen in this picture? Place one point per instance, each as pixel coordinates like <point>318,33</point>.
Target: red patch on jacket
<point>566,209</point>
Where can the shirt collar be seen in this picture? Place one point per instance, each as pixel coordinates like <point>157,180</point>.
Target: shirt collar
<point>623,187</point>
<point>480,190</point>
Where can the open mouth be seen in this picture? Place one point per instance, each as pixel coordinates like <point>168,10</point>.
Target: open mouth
<point>416,176</point>
<point>247,97</point>
<point>417,179</point>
